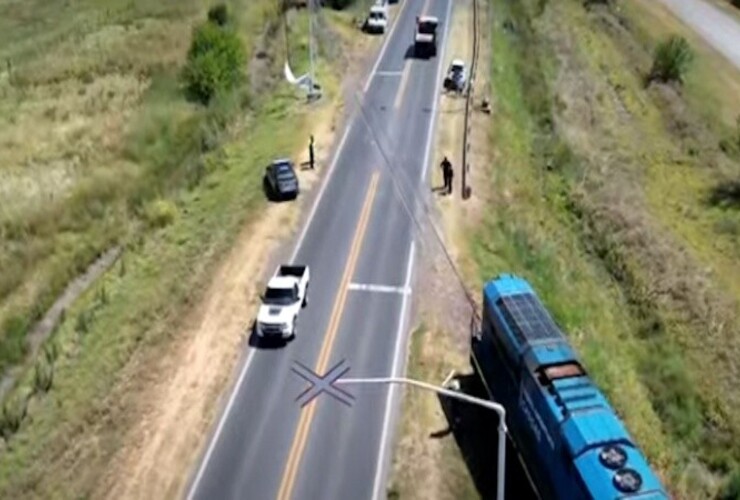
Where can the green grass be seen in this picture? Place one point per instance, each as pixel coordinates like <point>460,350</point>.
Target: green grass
<point>187,180</point>
<point>161,274</point>
<point>615,235</point>
<point>95,128</point>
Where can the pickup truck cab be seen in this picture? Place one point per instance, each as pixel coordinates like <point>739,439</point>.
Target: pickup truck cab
<point>425,36</point>
<point>285,296</point>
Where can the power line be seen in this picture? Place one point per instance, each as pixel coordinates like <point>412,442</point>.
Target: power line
<point>419,224</point>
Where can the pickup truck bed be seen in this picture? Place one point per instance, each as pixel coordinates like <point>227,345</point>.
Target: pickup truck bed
<point>295,271</point>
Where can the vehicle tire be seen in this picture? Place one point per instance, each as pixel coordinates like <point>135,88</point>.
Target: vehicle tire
<point>305,298</point>
<point>295,325</point>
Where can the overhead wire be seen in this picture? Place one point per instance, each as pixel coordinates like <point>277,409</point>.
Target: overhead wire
<point>397,183</point>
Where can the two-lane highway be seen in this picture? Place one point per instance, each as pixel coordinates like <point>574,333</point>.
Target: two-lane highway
<point>359,243</point>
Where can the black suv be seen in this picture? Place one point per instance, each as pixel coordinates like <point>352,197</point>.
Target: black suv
<point>280,180</point>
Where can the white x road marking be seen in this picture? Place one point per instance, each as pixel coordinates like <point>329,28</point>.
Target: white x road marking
<point>366,287</point>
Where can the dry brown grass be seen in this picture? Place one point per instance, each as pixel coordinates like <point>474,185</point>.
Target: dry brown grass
<point>640,200</point>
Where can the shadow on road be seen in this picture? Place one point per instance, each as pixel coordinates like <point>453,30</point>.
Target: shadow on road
<point>264,342</point>
<point>475,432</point>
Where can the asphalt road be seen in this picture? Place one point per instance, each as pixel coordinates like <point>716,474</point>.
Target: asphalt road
<point>718,28</point>
<point>360,235</point>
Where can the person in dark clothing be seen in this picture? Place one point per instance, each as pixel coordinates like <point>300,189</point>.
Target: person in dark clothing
<point>447,174</point>
<point>310,153</point>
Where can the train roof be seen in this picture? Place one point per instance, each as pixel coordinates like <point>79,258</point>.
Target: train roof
<point>573,414</point>
<point>533,333</point>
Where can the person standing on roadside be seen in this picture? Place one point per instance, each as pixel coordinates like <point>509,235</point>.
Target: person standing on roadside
<point>447,174</point>
<point>310,153</point>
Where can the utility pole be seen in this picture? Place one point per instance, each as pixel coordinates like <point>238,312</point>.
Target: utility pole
<point>312,93</point>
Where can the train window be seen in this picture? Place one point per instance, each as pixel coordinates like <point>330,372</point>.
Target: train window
<point>554,372</point>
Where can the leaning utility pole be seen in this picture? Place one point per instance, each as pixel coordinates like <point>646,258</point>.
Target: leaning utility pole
<point>312,93</point>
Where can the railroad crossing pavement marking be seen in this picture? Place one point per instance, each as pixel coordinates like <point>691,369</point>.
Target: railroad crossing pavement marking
<point>369,287</point>
<point>304,423</point>
<point>322,383</point>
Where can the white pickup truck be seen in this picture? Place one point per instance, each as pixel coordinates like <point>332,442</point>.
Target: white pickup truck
<point>285,296</point>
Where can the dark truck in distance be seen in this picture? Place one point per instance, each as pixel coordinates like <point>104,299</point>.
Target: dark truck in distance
<point>281,181</point>
<point>285,296</point>
<point>425,36</point>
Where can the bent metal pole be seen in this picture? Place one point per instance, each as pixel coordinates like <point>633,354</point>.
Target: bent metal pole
<point>455,395</point>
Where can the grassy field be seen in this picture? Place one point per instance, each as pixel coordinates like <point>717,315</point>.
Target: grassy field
<point>104,148</point>
<point>600,190</point>
<point>94,129</point>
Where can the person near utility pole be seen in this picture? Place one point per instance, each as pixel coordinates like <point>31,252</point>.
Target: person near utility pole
<point>447,174</point>
<point>310,153</point>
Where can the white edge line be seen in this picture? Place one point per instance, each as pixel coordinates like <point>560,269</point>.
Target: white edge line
<point>388,36</point>
<point>325,182</point>
<point>433,121</point>
<point>400,337</point>
<point>250,356</point>
<point>219,428</point>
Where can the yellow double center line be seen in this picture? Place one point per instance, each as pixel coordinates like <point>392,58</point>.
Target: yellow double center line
<point>304,423</point>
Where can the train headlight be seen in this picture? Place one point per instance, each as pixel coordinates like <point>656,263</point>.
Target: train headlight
<point>627,480</point>
<point>613,457</point>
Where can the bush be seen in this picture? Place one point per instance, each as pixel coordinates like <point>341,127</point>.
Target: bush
<point>219,14</point>
<point>83,322</point>
<point>731,490</point>
<point>671,61</point>
<point>214,62</point>
<point>14,411</point>
<point>43,376</point>
<point>160,213</point>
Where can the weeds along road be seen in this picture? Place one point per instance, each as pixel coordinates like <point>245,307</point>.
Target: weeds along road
<point>719,29</point>
<point>265,446</point>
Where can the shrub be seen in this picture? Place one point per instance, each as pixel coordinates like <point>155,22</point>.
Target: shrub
<point>43,375</point>
<point>14,411</point>
<point>160,213</point>
<point>219,14</point>
<point>671,61</point>
<point>83,322</point>
<point>214,62</point>
<point>731,489</point>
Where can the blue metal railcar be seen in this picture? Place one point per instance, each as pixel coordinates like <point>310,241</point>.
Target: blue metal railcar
<point>572,443</point>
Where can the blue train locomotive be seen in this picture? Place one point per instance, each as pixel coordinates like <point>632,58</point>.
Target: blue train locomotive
<point>571,441</point>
